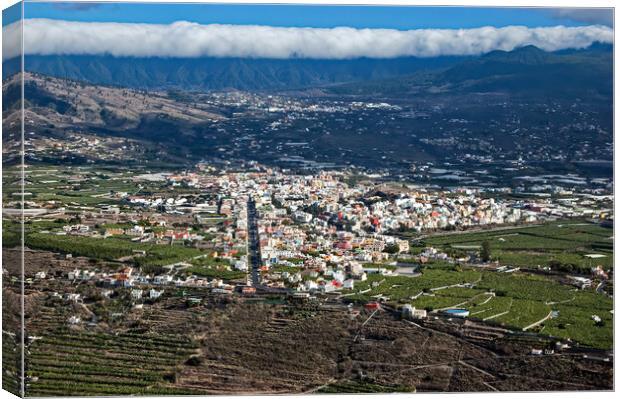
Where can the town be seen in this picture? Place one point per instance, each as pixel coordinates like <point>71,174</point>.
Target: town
<point>106,249</point>
<point>315,233</point>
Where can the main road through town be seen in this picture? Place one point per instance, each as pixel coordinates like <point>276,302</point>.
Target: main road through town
<point>254,255</point>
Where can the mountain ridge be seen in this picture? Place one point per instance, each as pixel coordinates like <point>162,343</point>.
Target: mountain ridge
<point>527,71</point>
<point>208,74</point>
<point>224,73</point>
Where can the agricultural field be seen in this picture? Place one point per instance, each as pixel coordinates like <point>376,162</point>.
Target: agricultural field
<point>113,248</point>
<point>68,363</point>
<point>11,234</point>
<point>560,244</point>
<point>214,268</point>
<point>362,387</point>
<point>450,298</point>
<point>77,186</point>
<point>574,320</point>
<point>11,363</point>
<point>516,301</point>
<point>403,289</point>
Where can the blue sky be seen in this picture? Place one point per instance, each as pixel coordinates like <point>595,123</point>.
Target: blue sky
<point>402,18</point>
<point>11,14</point>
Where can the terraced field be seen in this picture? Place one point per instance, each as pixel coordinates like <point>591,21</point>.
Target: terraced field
<point>111,248</point>
<point>362,387</point>
<point>403,288</point>
<point>517,301</point>
<point>11,363</point>
<point>431,358</point>
<point>272,348</point>
<point>494,308</point>
<point>66,363</point>
<point>77,186</point>
<point>213,268</point>
<point>574,320</point>
<point>562,242</point>
<point>261,350</point>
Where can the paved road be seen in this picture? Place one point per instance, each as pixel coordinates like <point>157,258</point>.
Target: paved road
<point>254,255</point>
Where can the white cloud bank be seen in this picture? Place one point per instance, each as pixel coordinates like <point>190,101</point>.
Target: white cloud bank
<point>186,39</point>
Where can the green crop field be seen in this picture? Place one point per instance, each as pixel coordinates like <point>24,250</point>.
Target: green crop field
<point>112,248</point>
<point>11,363</point>
<point>95,364</point>
<point>560,244</point>
<point>513,300</point>
<point>491,309</point>
<point>214,268</point>
<point>575,320</point>
<point>81,186</point>
<point>524,286</point>
<point>528,299</point>
<point>402,288</point>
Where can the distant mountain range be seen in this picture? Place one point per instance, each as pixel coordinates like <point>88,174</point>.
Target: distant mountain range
<point>527,71</point>
<point>524,69</point>
<point>534,71</point>
<point>227,73</point>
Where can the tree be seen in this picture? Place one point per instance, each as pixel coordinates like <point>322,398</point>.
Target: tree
<point>485,252</point>
<point>392,249</point>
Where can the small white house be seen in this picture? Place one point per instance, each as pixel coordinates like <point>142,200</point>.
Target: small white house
<point>162,279</point>
<point>72,275</point>
<point>241,265</point>
<point>73,297</point>
<point>348,284</point>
